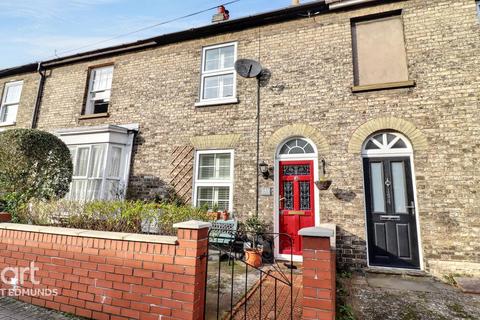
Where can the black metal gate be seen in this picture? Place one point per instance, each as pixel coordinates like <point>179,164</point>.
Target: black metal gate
<point>228,245</point>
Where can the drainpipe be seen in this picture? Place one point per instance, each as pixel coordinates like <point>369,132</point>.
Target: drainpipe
<point>257,202</point>
<point>38,100</point>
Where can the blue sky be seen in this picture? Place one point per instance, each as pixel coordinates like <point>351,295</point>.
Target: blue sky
<point>33,30</point>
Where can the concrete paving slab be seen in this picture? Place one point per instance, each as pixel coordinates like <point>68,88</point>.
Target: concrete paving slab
<point>468,285</point>
<point>379,303</point>
<point>421,284</point>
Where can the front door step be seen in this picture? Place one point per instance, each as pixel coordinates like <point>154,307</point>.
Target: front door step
<point>395,282</point>
<point>396,271</point>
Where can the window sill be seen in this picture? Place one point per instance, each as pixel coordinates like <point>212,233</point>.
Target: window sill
<point>383,86</point>
<point>216,102</point>
<point>94,116</point>
<point>7,124</point>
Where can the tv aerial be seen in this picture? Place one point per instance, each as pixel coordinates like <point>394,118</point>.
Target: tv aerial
<point>248,68</point>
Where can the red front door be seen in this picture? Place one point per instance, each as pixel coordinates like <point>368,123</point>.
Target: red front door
<point>296,202</point>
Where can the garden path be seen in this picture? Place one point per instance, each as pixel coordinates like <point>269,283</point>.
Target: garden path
<point>11,309</point>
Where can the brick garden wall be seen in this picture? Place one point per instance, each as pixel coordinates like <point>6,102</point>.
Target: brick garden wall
<point>148,277</point>
<point>311,67</point>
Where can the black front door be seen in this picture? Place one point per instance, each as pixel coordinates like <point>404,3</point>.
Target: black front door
<point>390,206</point>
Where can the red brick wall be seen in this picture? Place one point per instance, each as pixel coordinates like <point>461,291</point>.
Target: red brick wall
<point>318,279</point>
<point>112,279</point>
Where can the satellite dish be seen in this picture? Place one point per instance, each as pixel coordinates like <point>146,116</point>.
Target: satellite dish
<point>248,68</point>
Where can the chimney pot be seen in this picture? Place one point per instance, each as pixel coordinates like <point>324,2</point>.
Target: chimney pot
<point>295,2</point>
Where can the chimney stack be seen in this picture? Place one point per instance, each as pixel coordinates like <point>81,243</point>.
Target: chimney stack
<point>295,2</point>
<point>222,15</point>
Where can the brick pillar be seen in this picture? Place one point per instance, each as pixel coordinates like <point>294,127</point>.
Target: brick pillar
<point>192,250</point>
<point>318,274</point>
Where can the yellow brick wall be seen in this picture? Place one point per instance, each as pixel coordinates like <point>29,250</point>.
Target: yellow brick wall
<point>310,61</point>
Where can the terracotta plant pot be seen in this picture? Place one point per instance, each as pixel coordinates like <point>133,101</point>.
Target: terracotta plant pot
<point>253,257</point>
<point>225,215</point>
<point>5,217</point>
<point>323,184</point>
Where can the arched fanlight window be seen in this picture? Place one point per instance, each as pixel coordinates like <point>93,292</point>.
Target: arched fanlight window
<point>386,143</point>
<point>297,146</point>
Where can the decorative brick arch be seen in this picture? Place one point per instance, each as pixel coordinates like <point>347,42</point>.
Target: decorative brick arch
<point>298,130</point>
<point>416,137</point>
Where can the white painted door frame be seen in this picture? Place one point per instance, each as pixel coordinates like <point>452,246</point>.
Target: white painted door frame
<point>276,196</point>
<point>405,153</point>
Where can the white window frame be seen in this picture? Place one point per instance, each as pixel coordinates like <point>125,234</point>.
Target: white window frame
<point>219,72</point>
<point>105,168</point>
<point>214,183</point>
<point>90,103</point>
<point>4,105</point>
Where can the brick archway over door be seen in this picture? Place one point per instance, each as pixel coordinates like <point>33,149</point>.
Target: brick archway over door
<point>416,137</point>
<point>298,130</point>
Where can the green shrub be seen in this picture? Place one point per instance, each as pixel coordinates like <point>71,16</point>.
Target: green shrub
<point>172,213</point>
<point>34,165</point>
<point>116,216</point>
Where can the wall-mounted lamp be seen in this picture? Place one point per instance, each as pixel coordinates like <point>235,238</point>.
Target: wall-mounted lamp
<point>265,170</point>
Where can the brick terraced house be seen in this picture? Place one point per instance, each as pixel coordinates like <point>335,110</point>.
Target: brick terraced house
<point>380,97</point>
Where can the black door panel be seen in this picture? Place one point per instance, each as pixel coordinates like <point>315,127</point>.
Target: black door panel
<point>390,210</point>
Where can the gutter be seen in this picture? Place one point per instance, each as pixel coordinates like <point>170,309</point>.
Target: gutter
<point>38,101</point>
<point>340,4</point>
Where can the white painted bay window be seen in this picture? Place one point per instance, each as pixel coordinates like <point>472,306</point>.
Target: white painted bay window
<point>218,81</point>
<point>99,90</point>
<point>214,179</point>
<point>10,102</point>
<point>101,161</point>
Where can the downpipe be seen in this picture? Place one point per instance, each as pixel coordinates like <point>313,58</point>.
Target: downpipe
<point>38,100</point>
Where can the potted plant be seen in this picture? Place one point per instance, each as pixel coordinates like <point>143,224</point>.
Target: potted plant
<point>254,228</point>
<point>214,214</point>
<point>225,215</point>
<point>324,183</point>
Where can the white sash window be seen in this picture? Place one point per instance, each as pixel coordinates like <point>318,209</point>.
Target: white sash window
<point>10,102</point>
<point>99,90</point>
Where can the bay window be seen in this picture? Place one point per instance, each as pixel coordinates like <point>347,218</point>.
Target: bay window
<point>10,102</point>
<point>214,179</point>
<point>96,173</point>
<point>218,80</point>
<point>101,161</point>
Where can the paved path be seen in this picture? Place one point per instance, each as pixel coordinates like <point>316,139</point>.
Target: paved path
<point>267,306</point>
<point>11,309</point>
<point>390,297</point>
